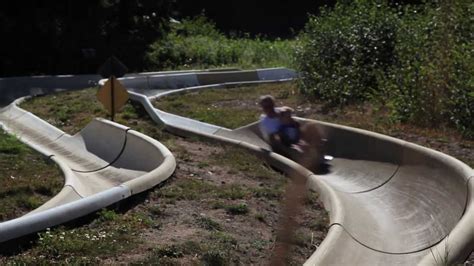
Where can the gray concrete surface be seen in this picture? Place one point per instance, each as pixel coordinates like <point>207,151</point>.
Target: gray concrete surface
<point>102,164</point>
<point>390,202</point>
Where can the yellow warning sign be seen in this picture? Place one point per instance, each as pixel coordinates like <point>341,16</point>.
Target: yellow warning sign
<point>112,95</point>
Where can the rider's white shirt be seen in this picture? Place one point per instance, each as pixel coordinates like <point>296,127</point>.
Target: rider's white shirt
<point>269,125</point>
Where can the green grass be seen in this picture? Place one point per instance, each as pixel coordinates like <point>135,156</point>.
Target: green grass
<point>237,160</point>
<point>62,109</point>
<point>9,144</point>
<point>240,160</point>
<point>195,189</point>
<point>27,179</point>
<point>109,233</point>
<point>219,250</point>
<point>230,108</point>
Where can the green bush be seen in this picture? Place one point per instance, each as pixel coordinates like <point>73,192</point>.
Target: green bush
<point>432,80</point>
<point>343,51</point>
<point>196,43</point>
<point>418,59</point>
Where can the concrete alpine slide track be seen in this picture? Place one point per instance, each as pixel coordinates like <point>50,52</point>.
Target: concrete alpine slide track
<point>390,201</point>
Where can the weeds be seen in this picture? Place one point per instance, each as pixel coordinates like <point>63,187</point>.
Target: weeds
<point>156,210</point>
<point>215,250</point>
<point>238,209</point>
<point>196,43</point>
<point>172,251</point>
<point>209,224</point>
<point>108,215</point>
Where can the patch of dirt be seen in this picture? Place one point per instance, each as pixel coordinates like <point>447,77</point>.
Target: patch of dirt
<point>206,170</point>
<point>254,232</point>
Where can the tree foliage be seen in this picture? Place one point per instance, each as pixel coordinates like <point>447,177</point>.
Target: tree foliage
<point>432,80</point>
<point>344,50</point>
<point>418,59</point>
<point>197,43</point>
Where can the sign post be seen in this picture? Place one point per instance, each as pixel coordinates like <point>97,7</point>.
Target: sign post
<point>112,99</point>
<point>112,95</point>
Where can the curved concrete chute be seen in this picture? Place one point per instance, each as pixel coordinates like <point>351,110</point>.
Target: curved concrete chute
<point>17,87</point>
<point>396,219</point>
<point>187,123</point>
<point>276,73</point>
<point>102,139</point>
<point>223,77</point>
<point>143,153</point>
<point>349,169</point>
<point>11,112</point>
<point>30,129</point>
<point>389,201</point>
<point>102,164</point>
<point>456,247</point>
<point>13,88</point>
<point>66,195</point>
<point>354,253</point>
<point>244,135</point>
<point>92,149</point>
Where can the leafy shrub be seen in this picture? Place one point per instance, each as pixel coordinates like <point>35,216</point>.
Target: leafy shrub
<point>344,50</point>
<point>418,59</point>
<point>197,42</point>
<point>432,80</point>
